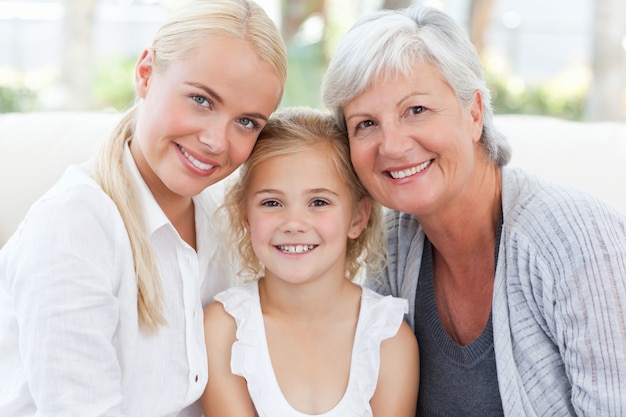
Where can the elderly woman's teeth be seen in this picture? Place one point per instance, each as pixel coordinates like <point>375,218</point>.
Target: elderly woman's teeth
<point>410,171</point>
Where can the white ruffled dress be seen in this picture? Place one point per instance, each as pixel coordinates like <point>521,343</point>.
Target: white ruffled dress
<point>379,319</point>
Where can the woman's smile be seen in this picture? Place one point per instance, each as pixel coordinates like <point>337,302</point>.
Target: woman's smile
<point>195,162</point>
<point>403,173</point>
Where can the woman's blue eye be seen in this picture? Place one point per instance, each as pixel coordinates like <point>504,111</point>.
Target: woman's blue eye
<point>203,101</point>
<point>249,123</point>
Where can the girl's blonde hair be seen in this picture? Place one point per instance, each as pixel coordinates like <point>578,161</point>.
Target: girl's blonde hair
<point>177,39</point>
<point>294,130</point>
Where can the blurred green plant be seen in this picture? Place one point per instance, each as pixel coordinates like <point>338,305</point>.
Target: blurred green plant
<point>113,86</point>
<point>17,99</point>
<point>306,68</point>
<point>562,97</point>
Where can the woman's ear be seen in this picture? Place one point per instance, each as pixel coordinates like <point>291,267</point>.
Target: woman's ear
<point>476,112</point>
<point>360,217</point>
<point>143,72</point>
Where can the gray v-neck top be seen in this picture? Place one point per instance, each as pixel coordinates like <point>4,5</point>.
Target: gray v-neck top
<point>455,380</point>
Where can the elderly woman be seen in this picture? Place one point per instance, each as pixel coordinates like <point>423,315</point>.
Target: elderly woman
<point>516,285</point>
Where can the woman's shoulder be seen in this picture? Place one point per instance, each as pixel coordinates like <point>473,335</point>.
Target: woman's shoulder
<point>558,226</point>
<point>75,189</point>
<point>400,222</point>
<point>73,223</point>
<point>74,203</point>
<point>402,231</point>
<point>529,199</point>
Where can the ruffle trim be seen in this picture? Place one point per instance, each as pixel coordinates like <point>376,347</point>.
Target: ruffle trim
<point>380,318</point>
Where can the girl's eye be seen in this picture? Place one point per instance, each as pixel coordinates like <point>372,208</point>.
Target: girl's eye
<point>319,203</point>
<point>416,110</point>
<point>248,123</point>
<point>270,203</point>
<point>203,101</point>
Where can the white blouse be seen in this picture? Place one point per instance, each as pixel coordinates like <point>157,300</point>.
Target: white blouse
<point>70,344</point>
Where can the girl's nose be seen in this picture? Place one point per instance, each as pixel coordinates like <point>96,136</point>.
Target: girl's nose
<point>295,221</point>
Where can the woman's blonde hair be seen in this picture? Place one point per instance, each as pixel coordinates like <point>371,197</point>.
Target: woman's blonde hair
<point>294,130</point>
<point>177,39</point>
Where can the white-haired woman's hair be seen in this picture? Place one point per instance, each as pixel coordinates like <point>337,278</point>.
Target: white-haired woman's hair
<point>389,42</point>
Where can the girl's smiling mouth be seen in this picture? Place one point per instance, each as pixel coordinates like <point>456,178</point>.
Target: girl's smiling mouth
<point>295,248</point>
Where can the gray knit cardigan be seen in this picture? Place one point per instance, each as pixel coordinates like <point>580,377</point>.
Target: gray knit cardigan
<point>559,301</point>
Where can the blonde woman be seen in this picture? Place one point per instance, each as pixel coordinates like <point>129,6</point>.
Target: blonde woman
<point>103,285</point>
<point>304,339</point>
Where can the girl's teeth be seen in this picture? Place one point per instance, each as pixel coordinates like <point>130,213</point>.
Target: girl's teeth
<point>410,171</point>
<point>194,161</point>
<point>296,248</point>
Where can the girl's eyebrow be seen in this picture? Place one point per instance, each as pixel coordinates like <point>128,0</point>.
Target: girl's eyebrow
<point>321,190</point>
<point>309,191</point>
<point>267,191</point>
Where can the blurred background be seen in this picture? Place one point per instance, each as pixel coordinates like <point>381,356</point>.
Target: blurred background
<point>563,58</point>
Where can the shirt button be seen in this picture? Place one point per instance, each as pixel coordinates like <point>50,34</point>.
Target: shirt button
<point>196,378</point>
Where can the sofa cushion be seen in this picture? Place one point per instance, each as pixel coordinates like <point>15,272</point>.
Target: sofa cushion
<point>587,155</point>
<point>35,149</point>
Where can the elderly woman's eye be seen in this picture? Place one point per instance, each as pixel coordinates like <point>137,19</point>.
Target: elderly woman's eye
<point>417,109</point>
<point>365,124</point>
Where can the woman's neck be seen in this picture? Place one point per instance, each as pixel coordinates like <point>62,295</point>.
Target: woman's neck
<point>465,233</point>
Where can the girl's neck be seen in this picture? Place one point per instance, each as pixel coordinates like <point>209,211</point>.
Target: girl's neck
<point>308,302</point>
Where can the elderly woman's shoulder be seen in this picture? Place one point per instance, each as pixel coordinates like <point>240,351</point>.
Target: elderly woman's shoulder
<point>402,230</point>
<point>527,198</point>
<point>397,219</point>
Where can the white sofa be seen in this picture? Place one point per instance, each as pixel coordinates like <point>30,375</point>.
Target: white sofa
<point>35,149</point>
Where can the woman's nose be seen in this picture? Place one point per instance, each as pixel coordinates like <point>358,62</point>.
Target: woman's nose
<point>394,142</point>
<point>214,137</point>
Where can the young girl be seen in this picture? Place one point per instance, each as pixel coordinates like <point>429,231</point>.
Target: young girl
<point>103,285</point>
<point>304,339</point>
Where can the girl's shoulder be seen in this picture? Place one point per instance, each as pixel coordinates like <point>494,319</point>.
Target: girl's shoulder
<point>381,315</point>
<point>239,303</point>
